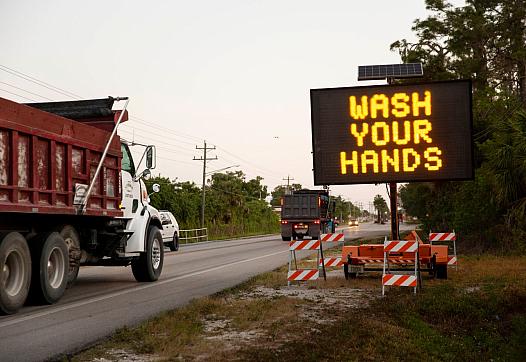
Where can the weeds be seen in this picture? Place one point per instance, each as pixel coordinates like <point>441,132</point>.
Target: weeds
<point>478,314</point>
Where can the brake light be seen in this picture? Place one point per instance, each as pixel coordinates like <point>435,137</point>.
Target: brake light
<point>316,221</point>
<point>281,201</point>
<point>319,201</point>
<point>284,222</point>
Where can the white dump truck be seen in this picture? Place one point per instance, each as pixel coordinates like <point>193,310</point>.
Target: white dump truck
<point>71,195</point>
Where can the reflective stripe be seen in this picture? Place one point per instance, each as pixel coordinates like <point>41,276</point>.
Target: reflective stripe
<point>332,262</point>
<point>332,237</point>
<point>399,280</point>
<point>442,237</point>
<point>401,246</point>
<point>304,245</point>
<point>308,274</point>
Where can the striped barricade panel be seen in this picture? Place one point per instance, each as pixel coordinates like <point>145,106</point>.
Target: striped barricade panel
<point>337,261</point>
<point>442,237</point>
<point>400,246</point>
<point>332,237</point>
<point>304,245</point>
<point>371,261</point>
<point>389,260</point>
<point>451,260</point>
<point>303,274</point>
<point>401,261</point>
<point>399,280</point>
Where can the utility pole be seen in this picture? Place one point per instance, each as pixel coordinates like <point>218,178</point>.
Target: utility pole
<point>288,179</point>
<point>204,159</point>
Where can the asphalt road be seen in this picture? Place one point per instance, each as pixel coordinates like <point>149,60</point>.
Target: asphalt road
<point>107,298</point>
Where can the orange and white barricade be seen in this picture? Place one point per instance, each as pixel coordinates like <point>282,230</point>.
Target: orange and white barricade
<point>332,239</point>
<point>331,262</point>
<point>410,250</point>
<point>303,274</point>
<point>451,240</point>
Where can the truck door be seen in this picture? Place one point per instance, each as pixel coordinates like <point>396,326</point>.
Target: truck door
<point>130,188</point>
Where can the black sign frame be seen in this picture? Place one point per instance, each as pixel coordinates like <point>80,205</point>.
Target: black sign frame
<point>320,146</point>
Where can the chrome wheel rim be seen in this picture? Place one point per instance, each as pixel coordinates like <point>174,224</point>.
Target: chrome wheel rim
<point>13,273</point>
<point>56,266</point>
<point>156,253</point>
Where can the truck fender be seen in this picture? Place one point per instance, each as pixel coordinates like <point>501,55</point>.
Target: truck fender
<point>153,221</point>
<point>139,225</point>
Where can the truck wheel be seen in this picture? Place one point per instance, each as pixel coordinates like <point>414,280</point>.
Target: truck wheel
<point>285,238</point>
<point>174,245</point>
<point>71,237</point>
<point>49,253</point>
<point>15,272</point>
<point>441,271</point>
<point>148,267</point>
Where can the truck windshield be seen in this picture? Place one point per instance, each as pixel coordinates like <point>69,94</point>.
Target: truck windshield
<point>127,160</point>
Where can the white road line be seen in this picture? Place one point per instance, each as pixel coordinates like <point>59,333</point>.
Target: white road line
<point>122,292</point>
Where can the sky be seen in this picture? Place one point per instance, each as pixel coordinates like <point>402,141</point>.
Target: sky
<point>236,73</point>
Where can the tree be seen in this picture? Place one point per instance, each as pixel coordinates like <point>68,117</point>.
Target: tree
<point>279,191</point>
<point>233,206</point>
<point>380,206</point>
<point>484,41</point>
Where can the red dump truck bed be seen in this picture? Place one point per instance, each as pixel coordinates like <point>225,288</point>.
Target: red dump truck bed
<point>43,156</point>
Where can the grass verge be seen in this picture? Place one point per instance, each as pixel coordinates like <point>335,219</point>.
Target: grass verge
<point>479,313</point>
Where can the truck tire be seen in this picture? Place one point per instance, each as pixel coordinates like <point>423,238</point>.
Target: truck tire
<point>49,254</point>
<point>174,245</point>
<point>72,239</point>
<point>285,238</point>
<point>441,271</point>
<point>148,267</point>
<point>15,272</point>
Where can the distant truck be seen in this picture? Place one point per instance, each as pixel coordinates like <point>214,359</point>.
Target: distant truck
<point>306,213</point>
<point>70,195</point>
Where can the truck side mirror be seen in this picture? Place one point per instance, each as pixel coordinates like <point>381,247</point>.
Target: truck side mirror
<point>150,157</point>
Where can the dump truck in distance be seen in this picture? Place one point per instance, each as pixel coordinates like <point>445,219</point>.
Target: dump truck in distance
<point>70,195</point>
<point>306,213</point>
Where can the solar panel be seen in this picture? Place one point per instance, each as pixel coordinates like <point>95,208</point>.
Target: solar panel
<point>373,72</point>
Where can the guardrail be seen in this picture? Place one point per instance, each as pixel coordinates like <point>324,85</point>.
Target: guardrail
<point>191,236</point>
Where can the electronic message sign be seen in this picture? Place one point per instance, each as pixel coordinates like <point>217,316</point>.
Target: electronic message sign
<point>392,133</point>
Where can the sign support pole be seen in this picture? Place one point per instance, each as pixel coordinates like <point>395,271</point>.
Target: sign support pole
<point>394,211</point>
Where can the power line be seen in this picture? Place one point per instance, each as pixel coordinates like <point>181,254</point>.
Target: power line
<point>24,90</point>
<point>134,118</point>
<point>18,95</point>
<point>37,81</point>
<point>177,133</point>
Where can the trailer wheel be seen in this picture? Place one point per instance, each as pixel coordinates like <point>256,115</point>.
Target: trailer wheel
<point>441,271</point>
<point>174,245</point>
<point>15,272</point>
<point>285,238</point>
<point>72,239</point>
<point>148,267</point>
<point>49,253</point>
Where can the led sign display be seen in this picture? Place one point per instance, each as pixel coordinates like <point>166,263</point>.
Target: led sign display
<point>392,133</point>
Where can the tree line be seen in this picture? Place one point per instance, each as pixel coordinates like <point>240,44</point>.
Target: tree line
<point>233,207</point>
<point>485,41</point>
